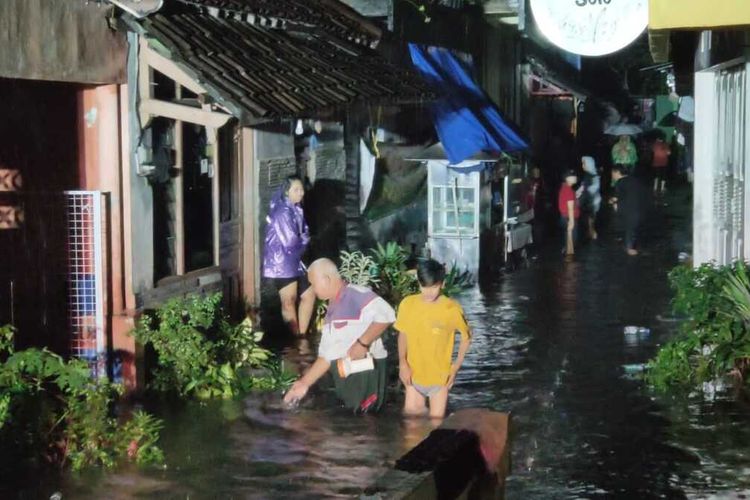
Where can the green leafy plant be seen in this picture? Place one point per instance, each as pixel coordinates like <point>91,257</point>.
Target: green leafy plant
<point>6,340</point>
<point>714,340</point>
<point>737,291</point>
<point>456,281</point>
<point>358,269</point>
<point>52,411</point>
<point>394,281</point>
<point>94,438</point>
<point>385,271</point>
<point>138,439</point>
<point>200,353</point>
<point>274,378</point>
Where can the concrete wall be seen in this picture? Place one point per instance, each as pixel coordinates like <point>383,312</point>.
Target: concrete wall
<point>328,162</point>
<point>408,226</point>
<point>704,230</point>
<point>274,158</point>
<point>324,165</point>
<point>371,8</point>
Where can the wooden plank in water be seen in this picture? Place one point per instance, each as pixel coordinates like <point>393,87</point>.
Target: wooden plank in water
<point>468,456</point>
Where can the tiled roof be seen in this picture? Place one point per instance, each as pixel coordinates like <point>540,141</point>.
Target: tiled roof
<point>260,72</point>
<point>331,16</point>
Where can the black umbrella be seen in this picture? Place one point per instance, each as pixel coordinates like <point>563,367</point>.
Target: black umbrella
<point>668,120</point>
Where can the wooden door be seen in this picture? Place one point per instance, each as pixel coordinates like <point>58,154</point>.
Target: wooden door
<point>230,216</point>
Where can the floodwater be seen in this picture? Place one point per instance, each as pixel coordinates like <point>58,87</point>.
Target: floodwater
<point>548,347</point>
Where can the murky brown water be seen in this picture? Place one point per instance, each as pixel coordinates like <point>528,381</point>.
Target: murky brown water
<point>549,347</point>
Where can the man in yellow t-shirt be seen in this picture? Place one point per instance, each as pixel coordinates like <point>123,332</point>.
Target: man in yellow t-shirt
<point>427,324</point>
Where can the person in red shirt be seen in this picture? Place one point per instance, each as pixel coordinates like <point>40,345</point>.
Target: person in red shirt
<point>660,160</point>
<point>567,203</point>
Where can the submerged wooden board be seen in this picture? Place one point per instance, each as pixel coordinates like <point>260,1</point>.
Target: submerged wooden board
<point>453,461</point>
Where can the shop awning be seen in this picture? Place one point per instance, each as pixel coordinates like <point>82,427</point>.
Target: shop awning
<point>685,14</point>
<point>466,121</point>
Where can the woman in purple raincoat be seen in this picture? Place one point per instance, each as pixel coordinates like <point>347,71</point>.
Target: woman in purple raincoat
<point>286,239</point>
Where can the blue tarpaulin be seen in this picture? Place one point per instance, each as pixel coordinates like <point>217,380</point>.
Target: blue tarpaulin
<point>466,121</point>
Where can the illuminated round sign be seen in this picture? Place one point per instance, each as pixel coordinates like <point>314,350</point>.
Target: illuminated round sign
<point>591,27</point>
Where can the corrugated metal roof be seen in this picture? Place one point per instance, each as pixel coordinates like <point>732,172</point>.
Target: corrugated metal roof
<point>263,72</point>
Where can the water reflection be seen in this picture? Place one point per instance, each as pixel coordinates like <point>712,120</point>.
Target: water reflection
<point>548,347</point>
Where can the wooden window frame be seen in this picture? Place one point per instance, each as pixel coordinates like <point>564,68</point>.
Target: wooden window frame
<point>207,116</point>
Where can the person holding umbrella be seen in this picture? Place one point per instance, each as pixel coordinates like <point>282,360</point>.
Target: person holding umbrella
<point>624,152</point>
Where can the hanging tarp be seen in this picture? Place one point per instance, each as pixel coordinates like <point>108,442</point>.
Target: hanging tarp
<point>397,182</point>
<point>466,121</point>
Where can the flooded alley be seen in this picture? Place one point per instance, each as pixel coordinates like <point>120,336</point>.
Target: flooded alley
<point>548,347</point>
<point>223,221</point>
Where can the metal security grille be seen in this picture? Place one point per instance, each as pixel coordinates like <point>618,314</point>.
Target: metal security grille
<point>85,269</point>
<point>729,186</point>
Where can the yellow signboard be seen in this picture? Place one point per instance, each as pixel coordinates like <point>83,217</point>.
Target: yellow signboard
<point>697,14</point>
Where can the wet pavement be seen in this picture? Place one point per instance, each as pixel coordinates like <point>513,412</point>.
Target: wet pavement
<point>548,347</point>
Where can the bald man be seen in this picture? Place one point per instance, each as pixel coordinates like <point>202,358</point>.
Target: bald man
<point>355,320</point>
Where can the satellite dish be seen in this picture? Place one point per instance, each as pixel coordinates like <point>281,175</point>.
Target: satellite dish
<point>591,27</point>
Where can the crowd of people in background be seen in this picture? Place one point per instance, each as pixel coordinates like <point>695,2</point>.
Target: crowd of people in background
<point>428,322</point>
<point>631,177</point>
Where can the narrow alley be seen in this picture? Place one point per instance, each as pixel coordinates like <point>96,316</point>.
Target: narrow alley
<point>374,249</point>
<point>549,348</point>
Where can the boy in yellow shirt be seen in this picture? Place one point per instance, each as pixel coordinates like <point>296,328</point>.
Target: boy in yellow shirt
<point>427,323</point>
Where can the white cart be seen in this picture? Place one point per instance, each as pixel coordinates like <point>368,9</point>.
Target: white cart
<point>458,207</point>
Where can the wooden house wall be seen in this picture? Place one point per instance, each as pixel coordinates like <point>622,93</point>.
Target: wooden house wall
<point>38,137</point>
<point>60,40</point>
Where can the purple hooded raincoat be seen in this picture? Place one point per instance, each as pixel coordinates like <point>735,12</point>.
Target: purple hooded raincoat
<point>287,237</point>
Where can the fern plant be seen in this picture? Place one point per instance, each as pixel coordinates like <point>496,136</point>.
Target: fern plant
<point>737,291</point>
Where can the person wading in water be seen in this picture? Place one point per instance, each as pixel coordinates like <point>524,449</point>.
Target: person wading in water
<point>354,322</point>
<point>286,239</point>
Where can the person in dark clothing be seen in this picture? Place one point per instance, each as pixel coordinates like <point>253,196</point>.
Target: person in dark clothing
<point>537,199</point>
<point>630,203</point>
